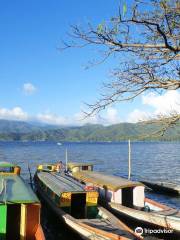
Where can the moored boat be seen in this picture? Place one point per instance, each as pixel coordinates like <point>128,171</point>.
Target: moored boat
<point>163,187</point>
<point>19,206</point>
<point>77,206</point>
<point>127,198</point>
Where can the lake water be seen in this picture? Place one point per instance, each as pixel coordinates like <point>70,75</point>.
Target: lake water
<point>150,160</point>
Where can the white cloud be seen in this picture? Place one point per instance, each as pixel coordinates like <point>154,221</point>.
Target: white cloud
<point>163,104</point>
<point>15,113</point>
<point>29,88</point>
<point>137,115</point>
<point>109,117</point>
<point>50,118</point>
<point>153,104</point>
<point>80,119</point>
<point>77,120</point>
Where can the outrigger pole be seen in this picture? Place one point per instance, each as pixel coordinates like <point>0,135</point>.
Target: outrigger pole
<point>129,159</point>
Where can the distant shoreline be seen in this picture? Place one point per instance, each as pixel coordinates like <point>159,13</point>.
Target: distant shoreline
<point>91,142</point>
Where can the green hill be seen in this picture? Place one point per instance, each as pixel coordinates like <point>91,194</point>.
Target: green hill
<point>17,130</point>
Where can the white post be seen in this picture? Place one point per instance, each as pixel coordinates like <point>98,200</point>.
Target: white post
<point>129,159</point>
<point>66,159</point>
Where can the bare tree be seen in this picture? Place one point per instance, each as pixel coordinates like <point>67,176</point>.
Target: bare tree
<point>146,35</point>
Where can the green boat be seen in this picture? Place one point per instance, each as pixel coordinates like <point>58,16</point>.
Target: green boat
<point>77,206</point>
<point>19,206</point>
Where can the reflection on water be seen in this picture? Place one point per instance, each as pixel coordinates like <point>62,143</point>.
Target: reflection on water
<point>153,160</point>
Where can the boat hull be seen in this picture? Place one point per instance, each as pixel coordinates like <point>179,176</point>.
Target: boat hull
<point>86,232</point>
<point>39,235</point>
<point>163,188</point>
<point>149,220</point>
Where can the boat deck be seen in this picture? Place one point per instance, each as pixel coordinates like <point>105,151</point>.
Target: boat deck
<point>14,190</point>
<point>104,225</point>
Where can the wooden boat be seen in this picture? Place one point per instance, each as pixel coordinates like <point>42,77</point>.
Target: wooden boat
<point>19,207</point>
<point>163,187</point>
<point>77,167</point>
<point>78,208</point>
<point>127,198</point>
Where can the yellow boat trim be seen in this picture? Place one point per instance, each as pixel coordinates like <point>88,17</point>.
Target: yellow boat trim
<point>23,222</point>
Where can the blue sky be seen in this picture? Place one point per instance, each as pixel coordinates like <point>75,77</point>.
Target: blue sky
<point>40,83</point>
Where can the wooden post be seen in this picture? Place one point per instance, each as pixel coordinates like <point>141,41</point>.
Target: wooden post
<point>30,176</point>
<point>66,159</point>
<point>129,159</point>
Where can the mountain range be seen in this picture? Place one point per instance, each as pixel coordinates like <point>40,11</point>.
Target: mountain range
<point>22,131</point>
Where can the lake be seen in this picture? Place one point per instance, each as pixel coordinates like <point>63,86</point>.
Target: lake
<point>150,160</point>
